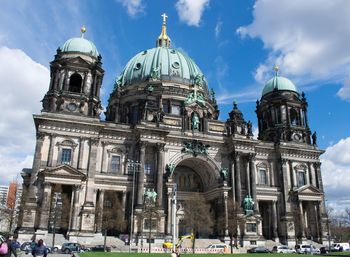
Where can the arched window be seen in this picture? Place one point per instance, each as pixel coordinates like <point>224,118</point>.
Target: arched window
<point>75,83</point>
<point>294,120</point>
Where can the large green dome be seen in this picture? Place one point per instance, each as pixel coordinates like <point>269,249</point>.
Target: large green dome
<point>81,45</point>
<point>169,64</point>
<point>279,83</point>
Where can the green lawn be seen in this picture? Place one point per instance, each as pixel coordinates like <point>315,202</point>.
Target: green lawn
<point>98,254</point>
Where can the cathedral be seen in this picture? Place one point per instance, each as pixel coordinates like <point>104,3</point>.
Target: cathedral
<point>161,134</point>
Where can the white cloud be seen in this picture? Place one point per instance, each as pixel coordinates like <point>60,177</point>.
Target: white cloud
<point>133,7</point>
<point>336,173</point>
<point>23,85</point>
<point>344,92</point>
<point>307,39</point>
<point>190,11</point>
<point>218,27</point>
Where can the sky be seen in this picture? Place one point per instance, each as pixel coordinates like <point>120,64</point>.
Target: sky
<point>235,43</point>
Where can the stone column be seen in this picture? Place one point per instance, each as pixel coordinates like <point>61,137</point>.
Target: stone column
<point>253,180</point>
<point>285,182</point>
<point>141,174</point>
<point>170,210</point>
<point>226,213</point>
<point>45,206</point>
<point>272,173</point>
<point>124,204</point>
<point>160,169</point>
<point>312,174</point>
<point>317,167</point>
<point>81,153</point>
<point>75,208</point>
<point>302,228</point>
<point>84,82</point>
<point>247,162</point>
<point>89,196</point>
<point>292,175</point>
<point>274,220</point>
<point>238,178</point>
<point>100,211</point>
<point>51,150</point>
<point>103,158</point>
<point>233,179</point>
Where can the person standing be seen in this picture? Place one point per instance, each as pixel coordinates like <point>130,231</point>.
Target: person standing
<point>7,243</point>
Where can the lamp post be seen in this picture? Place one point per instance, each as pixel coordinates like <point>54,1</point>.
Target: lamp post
<point>56,196</point>
<point>133,164</point>
<point>174,215</point>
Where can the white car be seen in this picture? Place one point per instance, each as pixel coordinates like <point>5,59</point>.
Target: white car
<point>282,249</point>
<point>308,249</point>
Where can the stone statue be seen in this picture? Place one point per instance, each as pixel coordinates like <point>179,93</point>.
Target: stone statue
<point>314,138</point>
<point>224,173</point>
<point>150,196</point>
<point>195,121</point>
<point>118,82</point>
<point>155,73</point>
<point>248,204</point>
<point>249,128</point>
<point>213,98</point>
<point>199,80</point>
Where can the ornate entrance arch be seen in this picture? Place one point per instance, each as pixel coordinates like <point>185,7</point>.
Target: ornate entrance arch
<point>190,171</point>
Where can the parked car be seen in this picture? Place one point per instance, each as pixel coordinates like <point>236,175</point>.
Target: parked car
<point>283,249</point>
<point>217,247</point>
<point>304,248</point>
<point>100,248</point>
<point>258,249</point>
<point>341,246</point>
<point>70,247</point>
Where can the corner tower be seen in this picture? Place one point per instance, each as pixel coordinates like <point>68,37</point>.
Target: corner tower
<point>76,78</point>
<point>282,112</point>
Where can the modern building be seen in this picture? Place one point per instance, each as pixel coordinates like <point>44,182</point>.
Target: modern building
<point>10,197</point>
<point>162,130</point>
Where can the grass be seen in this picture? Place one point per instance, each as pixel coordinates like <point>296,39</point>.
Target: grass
<point>99,254</point>
<point>96,254</point>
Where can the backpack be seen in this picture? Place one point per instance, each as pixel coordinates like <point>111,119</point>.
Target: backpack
<point>4,249</point>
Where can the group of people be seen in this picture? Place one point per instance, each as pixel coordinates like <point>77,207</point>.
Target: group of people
<point>9,246</point>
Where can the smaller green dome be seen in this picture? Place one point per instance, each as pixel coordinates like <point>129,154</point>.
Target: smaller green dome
<point>81,45</point>
<point>279,83</point>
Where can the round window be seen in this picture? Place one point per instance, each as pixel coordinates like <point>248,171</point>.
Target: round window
<point>176,65</point>
<point>138,66</point>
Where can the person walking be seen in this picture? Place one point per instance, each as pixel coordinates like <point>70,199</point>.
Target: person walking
<point>40,249</point>
<point>6,247</point>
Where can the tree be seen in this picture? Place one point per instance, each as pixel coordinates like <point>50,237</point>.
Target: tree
<point>197,216</point>
<point>113,221</point>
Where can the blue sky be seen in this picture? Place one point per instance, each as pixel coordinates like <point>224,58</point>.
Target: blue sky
<point>235,43</point>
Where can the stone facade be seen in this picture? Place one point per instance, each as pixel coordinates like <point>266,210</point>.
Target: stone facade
<point>161,131</point>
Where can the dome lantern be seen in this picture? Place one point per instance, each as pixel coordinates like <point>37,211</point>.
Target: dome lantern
<point>278,83</point>
<point>163,39</point>
<point>80,45</point>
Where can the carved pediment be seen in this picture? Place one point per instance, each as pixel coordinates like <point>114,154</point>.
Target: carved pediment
<point>308,189</point>
<point>308,193</point>
<point>79,61</point>
<point>63,171</point>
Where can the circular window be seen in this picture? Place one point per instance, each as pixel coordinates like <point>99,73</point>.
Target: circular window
<point>172,51</point>
<point>138,66</point>
<point>72,107</point>
<point>144,52</point>
<point>176,65</point>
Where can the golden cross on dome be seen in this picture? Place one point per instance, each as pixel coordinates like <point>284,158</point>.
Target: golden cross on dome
<point>276,69</point>
<point>164,17</point>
